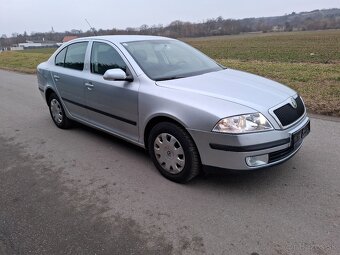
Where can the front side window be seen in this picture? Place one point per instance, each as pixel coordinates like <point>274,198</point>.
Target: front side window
<point>105,57</point>
<point>75,56</point>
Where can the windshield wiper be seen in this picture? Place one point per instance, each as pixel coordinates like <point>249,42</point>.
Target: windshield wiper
<point>170,78</point>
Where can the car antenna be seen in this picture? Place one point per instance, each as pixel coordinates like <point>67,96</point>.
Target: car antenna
<point>92,28</point>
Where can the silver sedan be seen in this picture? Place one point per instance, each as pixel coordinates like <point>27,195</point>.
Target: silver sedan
<point>188,111</point>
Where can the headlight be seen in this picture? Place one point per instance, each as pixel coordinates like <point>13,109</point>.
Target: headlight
<point>247,123</point>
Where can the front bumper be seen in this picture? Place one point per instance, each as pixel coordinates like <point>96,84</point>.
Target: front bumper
<point>230,151</point>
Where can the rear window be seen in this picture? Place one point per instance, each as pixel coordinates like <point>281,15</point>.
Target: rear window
<point>75,56</point>
<point>72,56</point>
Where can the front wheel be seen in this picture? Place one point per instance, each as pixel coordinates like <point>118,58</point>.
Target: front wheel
<point>57,112</point>
<point>173,152</point>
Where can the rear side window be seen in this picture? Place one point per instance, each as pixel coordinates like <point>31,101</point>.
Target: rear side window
<point>60,58</point>
<point>75,56</point>
<point>105,57</point>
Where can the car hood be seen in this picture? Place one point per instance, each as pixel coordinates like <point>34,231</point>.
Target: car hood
<point>239,87</point>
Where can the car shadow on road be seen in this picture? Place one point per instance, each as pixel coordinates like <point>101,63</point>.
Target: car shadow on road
<point>264,180</point>
<point>251,177</point>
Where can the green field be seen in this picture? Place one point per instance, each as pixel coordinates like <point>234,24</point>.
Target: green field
<point>308,62</point>
<point>293,47</point>
<point>24,61</point>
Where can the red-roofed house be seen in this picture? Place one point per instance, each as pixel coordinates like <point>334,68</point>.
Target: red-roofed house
<point>69,38</point>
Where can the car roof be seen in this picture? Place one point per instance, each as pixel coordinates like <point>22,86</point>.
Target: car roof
<point>125,38</point>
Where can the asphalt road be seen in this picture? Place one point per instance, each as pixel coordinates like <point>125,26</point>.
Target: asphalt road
<point>83,192</point>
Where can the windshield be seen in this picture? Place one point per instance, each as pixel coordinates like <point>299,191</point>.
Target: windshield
<point>170,59</point>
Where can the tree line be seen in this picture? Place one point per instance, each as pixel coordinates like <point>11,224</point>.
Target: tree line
<point>314,20</point>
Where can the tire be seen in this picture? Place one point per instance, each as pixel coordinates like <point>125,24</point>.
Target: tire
<point>58,113</point>
<point>173,152</point>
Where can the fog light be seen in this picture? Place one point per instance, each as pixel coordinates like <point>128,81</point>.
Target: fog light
<point>257,160</point>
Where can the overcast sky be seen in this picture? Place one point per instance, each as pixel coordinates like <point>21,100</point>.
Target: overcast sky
<point>40,15</point>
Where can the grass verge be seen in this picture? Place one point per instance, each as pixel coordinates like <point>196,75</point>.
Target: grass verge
<point>22,61</point>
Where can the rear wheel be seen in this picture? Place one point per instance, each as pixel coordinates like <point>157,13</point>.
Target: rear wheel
<point>173,152</point>
<point>57,112</point>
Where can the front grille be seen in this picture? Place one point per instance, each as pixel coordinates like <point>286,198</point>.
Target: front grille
<point>288,115</point>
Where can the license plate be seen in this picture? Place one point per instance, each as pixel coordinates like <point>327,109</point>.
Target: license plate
<point>298,137</point>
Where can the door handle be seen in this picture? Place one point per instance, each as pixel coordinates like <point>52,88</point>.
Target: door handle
<point>56,77</point>
<point>89,85</point>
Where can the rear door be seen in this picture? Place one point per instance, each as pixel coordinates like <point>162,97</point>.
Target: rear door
<point>112,105</point>
<point>68,76</point>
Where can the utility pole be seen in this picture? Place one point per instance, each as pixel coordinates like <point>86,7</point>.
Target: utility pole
<point>92,28</point>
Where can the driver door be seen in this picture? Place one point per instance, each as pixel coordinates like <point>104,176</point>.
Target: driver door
<point>112,105</point>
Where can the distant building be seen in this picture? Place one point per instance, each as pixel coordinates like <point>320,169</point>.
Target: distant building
<point>278,29</point>
<point>16,48</point>
<point>76,31</point>
<point>30,44</point>
<point>42,44</point>
<point>69,38</point>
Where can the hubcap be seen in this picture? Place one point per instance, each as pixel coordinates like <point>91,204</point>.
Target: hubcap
<point>169,153</point>
<point>56,111</point>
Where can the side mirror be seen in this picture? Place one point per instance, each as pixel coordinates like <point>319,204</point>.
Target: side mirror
<point>116,75</point>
